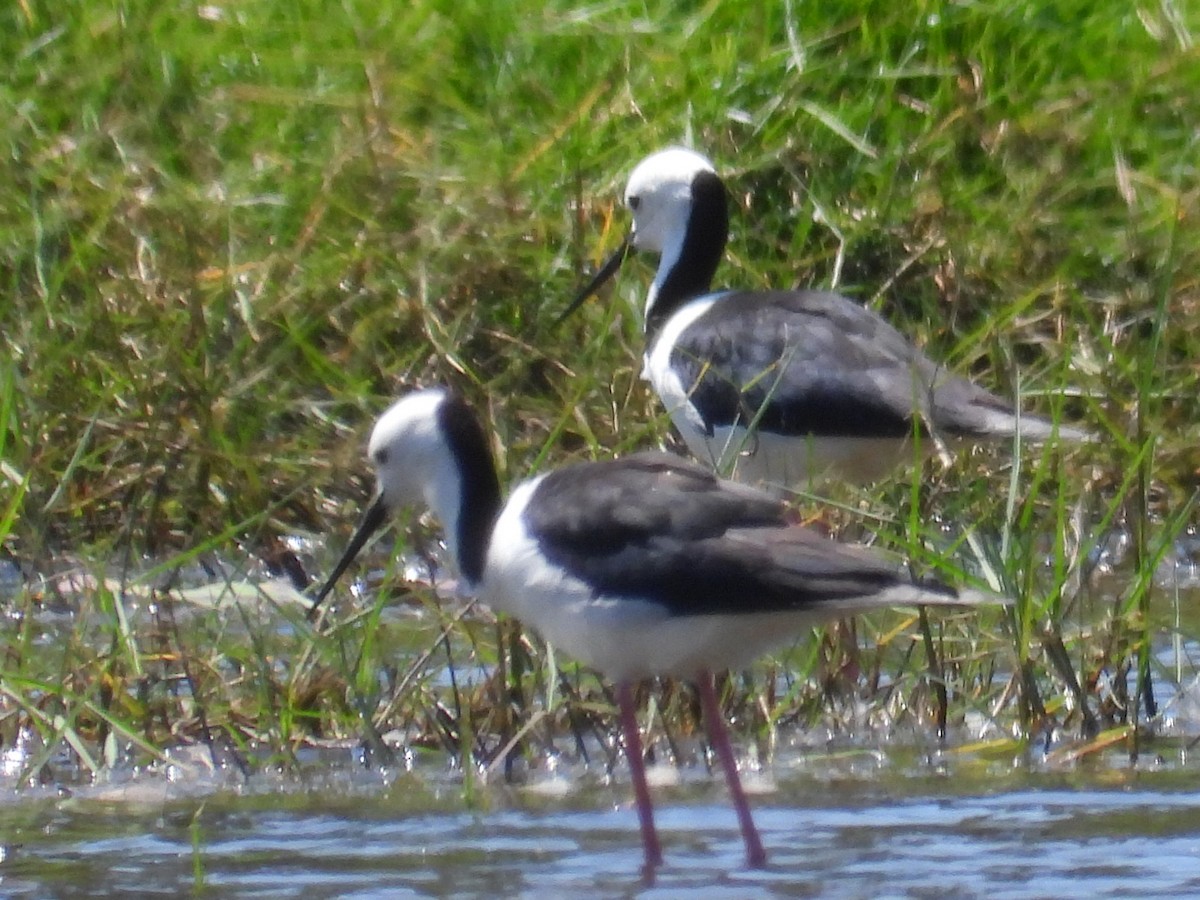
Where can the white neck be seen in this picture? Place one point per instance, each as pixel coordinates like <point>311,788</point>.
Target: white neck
<point>443,495</point>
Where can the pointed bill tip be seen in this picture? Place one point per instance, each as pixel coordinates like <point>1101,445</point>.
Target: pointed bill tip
<point>605,272</point>
<point>374,517</point>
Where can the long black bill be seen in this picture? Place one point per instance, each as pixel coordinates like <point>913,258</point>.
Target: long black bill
<point>375,516</point>
<point>606,272</point>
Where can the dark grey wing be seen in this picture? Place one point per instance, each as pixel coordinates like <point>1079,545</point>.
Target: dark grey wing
<point>658,528</point>
<point>815,571</point>
<point>613,503</point>
<point>815,363</point>
<point>960,408</point>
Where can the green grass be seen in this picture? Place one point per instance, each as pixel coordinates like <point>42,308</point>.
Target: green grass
<point>229,234</point>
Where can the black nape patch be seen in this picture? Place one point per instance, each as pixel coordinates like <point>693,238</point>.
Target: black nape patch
<point>480,487</point>
<point>707,232</point>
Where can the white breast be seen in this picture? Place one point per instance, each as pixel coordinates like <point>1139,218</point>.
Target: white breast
<point>675,395</point>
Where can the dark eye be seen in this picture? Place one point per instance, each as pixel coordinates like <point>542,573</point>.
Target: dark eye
<point>634,203</point>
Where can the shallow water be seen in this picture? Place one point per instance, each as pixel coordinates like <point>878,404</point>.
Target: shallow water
<point>879,821</point>
<point>981,830</point>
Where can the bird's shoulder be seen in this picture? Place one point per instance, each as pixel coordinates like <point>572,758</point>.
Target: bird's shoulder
<point>829,330</point>
<point>644,495</point>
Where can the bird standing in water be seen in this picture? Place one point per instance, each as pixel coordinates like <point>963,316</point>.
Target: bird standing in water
<point>642,566</point>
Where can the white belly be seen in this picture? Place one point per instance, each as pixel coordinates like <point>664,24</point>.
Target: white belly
<point>793,462</point>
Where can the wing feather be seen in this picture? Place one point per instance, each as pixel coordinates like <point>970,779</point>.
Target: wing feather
<point>657,527</point>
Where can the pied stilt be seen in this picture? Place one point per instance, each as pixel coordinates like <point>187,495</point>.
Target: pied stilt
<point>642,566</point>
<point>782,387</point>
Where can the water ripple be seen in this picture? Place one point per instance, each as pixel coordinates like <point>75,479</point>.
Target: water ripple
<point>912,838</point>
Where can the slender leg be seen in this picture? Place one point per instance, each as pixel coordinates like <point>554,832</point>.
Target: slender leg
<point>641,791</point>
<point>717,734</point>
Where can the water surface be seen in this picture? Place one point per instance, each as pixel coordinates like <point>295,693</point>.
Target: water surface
<point>926,830</point>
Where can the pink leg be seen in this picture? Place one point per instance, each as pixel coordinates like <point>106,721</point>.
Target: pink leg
<point>641,791</point>
<point>715,721</point>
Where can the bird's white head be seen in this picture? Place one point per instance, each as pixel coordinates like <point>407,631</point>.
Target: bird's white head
<point>659,196</point>
<point>409,452</point>
<point>430,449</point>
<point>679,209</point>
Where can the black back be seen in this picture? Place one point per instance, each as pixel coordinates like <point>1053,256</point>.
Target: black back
<point>816,363</point>
<point>656,527</point>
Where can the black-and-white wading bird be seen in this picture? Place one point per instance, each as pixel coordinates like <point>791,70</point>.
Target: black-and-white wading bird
<point>783,387</point>
<point>642,566</point>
